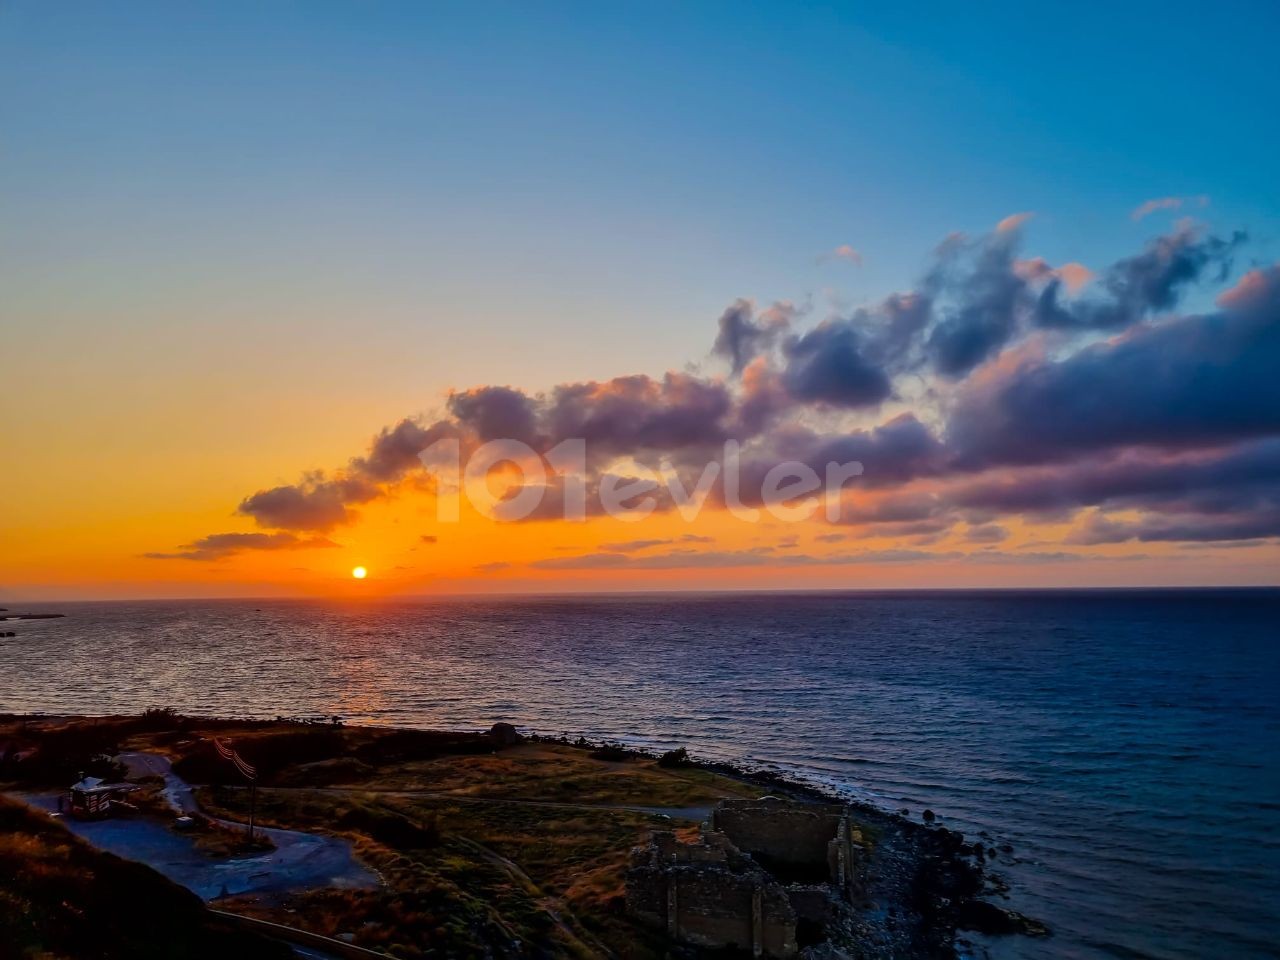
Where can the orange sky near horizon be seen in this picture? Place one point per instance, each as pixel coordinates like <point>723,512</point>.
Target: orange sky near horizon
<point>93,547</point>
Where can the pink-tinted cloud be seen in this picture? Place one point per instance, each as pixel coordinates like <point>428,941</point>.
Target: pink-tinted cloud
<point>1148,207</point>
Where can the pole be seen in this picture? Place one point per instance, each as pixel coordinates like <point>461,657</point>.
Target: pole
<point>253,803</point>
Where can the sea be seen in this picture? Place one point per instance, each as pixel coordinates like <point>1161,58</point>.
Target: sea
<point>1124,744</point>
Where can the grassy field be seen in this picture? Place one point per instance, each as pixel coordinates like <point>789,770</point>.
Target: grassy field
<point>521,850</point>
<point>486,850</point>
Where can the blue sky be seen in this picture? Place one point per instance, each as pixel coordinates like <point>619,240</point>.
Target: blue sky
<point>601,166</point>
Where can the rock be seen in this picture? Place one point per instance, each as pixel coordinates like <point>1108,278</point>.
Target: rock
<point>928,816</point>
<point>505,735</point>
<point>988,918</point>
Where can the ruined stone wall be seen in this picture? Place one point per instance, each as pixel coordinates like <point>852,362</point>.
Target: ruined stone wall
<point>717,909</point>
<point>709,895</point>
<point>764,874</point>
<point>782,836</point>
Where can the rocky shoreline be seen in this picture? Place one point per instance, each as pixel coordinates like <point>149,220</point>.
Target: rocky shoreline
<point>916,888</point>
<point>927,884</point>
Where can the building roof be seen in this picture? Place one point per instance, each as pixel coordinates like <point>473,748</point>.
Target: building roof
<point>96,785</point>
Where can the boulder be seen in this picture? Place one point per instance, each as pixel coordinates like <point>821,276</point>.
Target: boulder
<point>505,735</point>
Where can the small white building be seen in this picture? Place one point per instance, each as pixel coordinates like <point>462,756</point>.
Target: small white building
<point>92,798</point>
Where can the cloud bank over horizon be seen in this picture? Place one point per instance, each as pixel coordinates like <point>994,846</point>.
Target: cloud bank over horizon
<point>999,388</point>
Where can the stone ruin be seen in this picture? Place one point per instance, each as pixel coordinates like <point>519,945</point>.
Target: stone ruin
<point>767,876</point>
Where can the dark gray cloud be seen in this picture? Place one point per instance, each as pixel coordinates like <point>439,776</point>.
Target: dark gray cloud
<point>1237,473</point>
<point>1099,528</point>
<point>314,504</point>
<point>220,545</point>
<point>742,336</point>
<point>981,303</point>
<point>829,365</point>
<point>1137,286</point>
<point>395,451</point>
<point>1181,383</point>
<point>638,414</point>
<point>496,413</point>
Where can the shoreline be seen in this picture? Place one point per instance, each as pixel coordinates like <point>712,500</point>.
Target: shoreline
<point>932,885</point>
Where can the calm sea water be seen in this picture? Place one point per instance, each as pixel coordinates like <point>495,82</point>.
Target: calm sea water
<point>1125,743</point>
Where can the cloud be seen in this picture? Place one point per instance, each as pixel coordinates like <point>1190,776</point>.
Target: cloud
<point>682,560</point>
<point>1257,290</point>
<point>1009,387</point>
<point>429,538</point>
<point>218,546</point>
<point>1186,382</point>
<point>493,567</point>
<point>1074,276</point>
<point>981,295</point>
<point>691,559</point>
<point>1135,287</point>
<point>1098,528</point>
<point>637,414</point>
<point>632,546</point>
<point>830,365</point>
<point>742,336</point>
<point>1148,207</point>
<point>843,252</point>
<point>314,504</point>
<point>1013,222</point>
<point>495,413</point>
<point>986,533</point>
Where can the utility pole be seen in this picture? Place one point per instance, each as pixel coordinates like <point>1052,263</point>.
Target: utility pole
<point>246,770</point>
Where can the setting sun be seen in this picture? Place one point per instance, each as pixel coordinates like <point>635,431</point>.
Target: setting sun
<point>359,573</point>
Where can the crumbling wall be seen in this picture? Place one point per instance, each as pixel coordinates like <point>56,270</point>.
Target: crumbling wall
<point>766,876</point>
<point>791,840</point>
<point>708,894</point>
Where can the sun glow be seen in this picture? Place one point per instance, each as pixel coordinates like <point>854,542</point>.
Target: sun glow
<point>359,573</point>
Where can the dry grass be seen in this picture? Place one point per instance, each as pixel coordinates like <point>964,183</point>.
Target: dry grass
<point>60,898</point>
<point>560,773</point>
<point>464,878</point>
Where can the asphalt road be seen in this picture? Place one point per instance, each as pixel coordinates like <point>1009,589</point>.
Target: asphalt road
<point>300,861</point>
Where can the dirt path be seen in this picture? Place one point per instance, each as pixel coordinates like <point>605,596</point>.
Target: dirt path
<point>552,906</point>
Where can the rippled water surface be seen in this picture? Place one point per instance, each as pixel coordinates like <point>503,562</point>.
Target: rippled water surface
<point>1125,743</point>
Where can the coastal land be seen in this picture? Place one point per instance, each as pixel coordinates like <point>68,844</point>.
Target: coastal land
<point>415,843</point>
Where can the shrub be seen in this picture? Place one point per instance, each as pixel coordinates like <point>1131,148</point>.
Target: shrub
<point>674,758</point>
<point>613,753</point>
<point>390,828</point>
<point>156,719</point>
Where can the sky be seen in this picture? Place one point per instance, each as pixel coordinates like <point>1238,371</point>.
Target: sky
<point>1020,262</point>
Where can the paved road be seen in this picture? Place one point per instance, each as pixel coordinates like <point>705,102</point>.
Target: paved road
<point>176,790</point>
<point>300,861</point>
